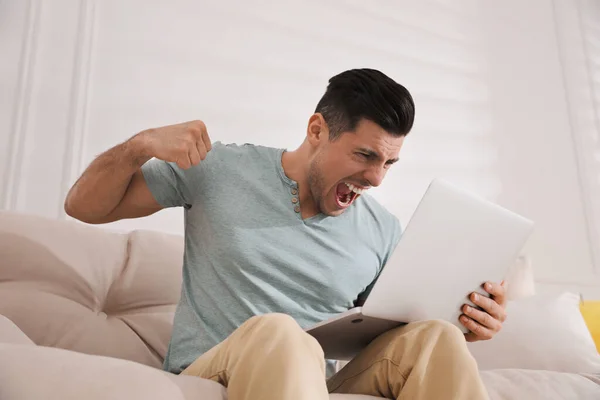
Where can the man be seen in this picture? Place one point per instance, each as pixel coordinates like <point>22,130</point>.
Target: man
<point>276,241</point>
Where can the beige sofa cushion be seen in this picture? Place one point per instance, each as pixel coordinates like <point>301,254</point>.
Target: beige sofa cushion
<point>83,288</point>
<point>46,373</point>
<point>10,333</point>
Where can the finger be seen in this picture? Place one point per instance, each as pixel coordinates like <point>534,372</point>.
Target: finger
<point>483,318</point>
<point>497,290</point>
<point>196,128</point>
<point>504,285</point>
<point>489,305</point>
<point>183,161</point>
<point>478,330</point>
<point>201,149</point>
<point>471,337</point>
<point>206,140</point>
<point>194,155</point>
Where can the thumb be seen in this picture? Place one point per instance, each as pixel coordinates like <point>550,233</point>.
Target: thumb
<point>505,295</point>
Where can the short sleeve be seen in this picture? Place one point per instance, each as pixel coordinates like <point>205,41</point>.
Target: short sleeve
<point>169,184</point>
<point>172,186</point>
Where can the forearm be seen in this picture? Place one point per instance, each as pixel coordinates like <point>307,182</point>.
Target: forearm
<point>103,184</point>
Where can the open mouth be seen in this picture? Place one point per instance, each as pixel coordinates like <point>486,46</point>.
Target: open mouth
<point>346,193</point>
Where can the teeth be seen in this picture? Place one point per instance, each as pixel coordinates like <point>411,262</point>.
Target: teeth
<point>355,189</point>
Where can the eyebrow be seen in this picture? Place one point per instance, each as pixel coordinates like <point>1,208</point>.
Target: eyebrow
<point>372,154</point>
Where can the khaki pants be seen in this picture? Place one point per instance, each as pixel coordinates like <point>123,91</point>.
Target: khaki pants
<point>270,357</point>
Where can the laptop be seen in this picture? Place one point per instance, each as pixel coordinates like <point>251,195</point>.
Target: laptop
<point>454,242</point>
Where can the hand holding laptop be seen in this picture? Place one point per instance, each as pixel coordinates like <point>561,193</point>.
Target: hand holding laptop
<point>484,324</point>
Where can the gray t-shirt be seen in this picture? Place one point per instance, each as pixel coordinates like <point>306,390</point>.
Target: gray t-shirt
<point>249,252</point>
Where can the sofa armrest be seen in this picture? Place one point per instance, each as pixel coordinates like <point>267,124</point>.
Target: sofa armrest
<point>10,333</point>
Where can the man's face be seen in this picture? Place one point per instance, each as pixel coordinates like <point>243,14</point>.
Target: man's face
<point>355,161</point>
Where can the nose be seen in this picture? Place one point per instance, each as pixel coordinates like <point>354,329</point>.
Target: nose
<point>375,175</point>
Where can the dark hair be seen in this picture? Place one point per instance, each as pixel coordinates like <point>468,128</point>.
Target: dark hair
<point>366,93</point>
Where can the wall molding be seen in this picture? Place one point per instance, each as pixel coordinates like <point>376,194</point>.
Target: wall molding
<point>78,108</point>
<point>21,109</point>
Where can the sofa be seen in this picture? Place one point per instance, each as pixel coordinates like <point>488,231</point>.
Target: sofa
<point>86,313</point>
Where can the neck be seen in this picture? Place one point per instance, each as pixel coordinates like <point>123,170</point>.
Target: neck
<point>295,166</point>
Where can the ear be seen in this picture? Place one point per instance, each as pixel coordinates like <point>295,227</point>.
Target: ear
<point>317,131</point>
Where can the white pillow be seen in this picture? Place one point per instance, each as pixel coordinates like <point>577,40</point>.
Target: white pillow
<point>541,332</point>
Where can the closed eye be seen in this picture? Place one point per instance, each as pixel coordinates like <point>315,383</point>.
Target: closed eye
<point>366,156</point>
<point>370,155</point>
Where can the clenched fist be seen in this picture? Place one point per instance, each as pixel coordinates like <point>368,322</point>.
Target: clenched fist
<point>185,144</point>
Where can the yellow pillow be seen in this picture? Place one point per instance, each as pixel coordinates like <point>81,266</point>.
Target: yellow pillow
<point>591,314</point>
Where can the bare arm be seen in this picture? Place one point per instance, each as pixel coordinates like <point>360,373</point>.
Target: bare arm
<point>113,187</point>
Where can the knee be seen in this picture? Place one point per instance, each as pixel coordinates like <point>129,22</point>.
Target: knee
<point>284,331</point>
<point>443,332</point>
<point>431,331</point>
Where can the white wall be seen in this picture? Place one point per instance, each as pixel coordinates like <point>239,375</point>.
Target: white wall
<point>493,107</point>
